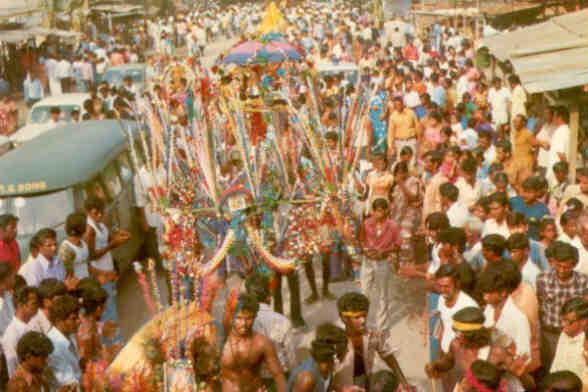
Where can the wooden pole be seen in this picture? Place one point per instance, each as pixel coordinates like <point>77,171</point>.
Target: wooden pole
<point>573,152</point>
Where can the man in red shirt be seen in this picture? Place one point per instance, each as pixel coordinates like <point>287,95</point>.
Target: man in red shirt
<point>9,251</point>
<point>380,239</point>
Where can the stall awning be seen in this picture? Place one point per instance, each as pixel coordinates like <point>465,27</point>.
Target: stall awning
<point>12,8</point>
<point>17,36</point>
<point>547,56</point>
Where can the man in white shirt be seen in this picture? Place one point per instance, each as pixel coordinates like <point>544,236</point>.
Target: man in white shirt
<point>64,73</point>
<point>64,361</point>
<point>452,300</point>
<point>518,97</point>
<point>467,185</point>
<point>6,303</point>
<point>51,70</point>
<point>570,346</point>
<point>559,146</point>
<point>457,213</point>
<point>544,136</point>
<point>499,100</point>
<point>496,224</point>
<point>49,290</point>
<point>26,302</point>
<point>519,248</point>
<point>45,265</point>
<point>501,312</point>
<point>273,325</point>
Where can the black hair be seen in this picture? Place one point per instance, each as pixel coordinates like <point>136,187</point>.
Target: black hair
<point>94,203</point>
<point>447,271</point>
<point>322,351</point>
<point>567,217</point>
<point>19,282</point>
<point>331,136</point>
<point>33,344</point>
<point>469,165</point>
<point>75,224</point>
<point>498,197</point>
<point>50,288</point>
<point>437,221</point>
<point>518,241</point>
<point>494,280</point>
<point>331,333</point>
<point>44,234</point>
<point>7,219</point>
<point>353,302</point>
<point>449,191</point>
<point>247,303</point>
<point>577,305</point>
<point>510,272</point>
<point>21,296</point>
<point>435,156</point>
<point>380,203</point>
<point>400,167</point>
<point>494,243</point>
<point>62,308</point>
<point>562,381</point>
<point>258,286</point>
<point>562,166</point>
<point>563,113</point>
<point>91,296</point>
<point>454,236</point>
<point>486,373</point>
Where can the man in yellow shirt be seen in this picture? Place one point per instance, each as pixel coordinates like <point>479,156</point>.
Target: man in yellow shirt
<point>402,128</point>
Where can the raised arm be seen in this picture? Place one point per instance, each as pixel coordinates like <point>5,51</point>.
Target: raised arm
<point>273,365</point>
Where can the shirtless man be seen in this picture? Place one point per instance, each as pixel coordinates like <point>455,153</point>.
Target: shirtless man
<point>245,351</point>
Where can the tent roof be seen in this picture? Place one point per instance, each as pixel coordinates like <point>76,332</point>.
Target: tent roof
<point>547,56</point>
<point>10,8</point>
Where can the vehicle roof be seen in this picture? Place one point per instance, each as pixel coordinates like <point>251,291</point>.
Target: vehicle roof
<point>66,156</point>
<point>125,67</point>
<point>63,99</point>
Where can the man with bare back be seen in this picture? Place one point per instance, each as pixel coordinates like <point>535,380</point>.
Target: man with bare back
<point>245,351</point>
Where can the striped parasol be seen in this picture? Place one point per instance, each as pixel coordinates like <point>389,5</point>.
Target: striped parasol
<point>255,52</point>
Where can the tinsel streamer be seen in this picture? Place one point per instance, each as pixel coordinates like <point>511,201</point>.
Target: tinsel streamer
<point>149,160</point>
<point>230,307</point>
<point>174,276</point>
<point>142,279</point>
<point>170,160</point>
<point>209,159</point>
<point>154,285</point>
<point>182,317</point>
<point>275,146</point>
<point>237,122</point>
<point>279,264</point>
<point>187,147</point>
<point>220,255</point>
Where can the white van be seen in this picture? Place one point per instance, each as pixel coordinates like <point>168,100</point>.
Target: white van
<point>39,115</point>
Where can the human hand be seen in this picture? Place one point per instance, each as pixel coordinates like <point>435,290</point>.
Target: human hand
<point>519,364</point>
<point>71,282</point>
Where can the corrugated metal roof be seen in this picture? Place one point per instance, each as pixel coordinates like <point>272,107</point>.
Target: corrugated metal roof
<point>547,56</point>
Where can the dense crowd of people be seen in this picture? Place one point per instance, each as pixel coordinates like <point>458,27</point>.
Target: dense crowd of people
<point>461,184</point>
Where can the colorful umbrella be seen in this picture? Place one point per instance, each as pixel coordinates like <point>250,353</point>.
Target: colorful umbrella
<point>255,52</point>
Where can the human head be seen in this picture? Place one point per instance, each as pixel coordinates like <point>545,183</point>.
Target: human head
<point>379,161</point>
<point>380,208</point>
<point>562,115</point>
<point>582,174</point>
<point>331,139</point>
<point>498,205</point>
<point>64,314</point>
<point>516,222</point>
<point>33,350</point>
<point>562,381</point>
<point>26,303</point>
<point>257,285</point>
<point>6,276</point>
<point>47,243</point>
<point>481,373</point>
<point>8,229</point>
<point>449,194</point>
<point>503,150</point>
<point>468,325</point>
<point>75,224</point>
<point>447,282</point>
<point>245,313</point>
<point>49,290</point>
<point>55,113</point>
<point>324,354</point>
<point>563,257</point>
<point>493,246</point>
<point>574,316</point>
<point>568,222</point>
<point>433,160</point>
<point>353,309</point>
<point>548,229</point>
<point>494,285</point>
<point>468,169</point>
<point>398,104</point>
<point>434,223</point>
<point>94,207</point>
<point>528,190</point>
<point>453,240</point>
<point>518,246</point>
<point>92,297</point>
<point>561,171</point>
<point>334,335</point>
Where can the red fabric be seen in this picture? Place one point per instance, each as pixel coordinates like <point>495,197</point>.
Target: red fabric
<point>10,252</point>
<point>389,236</point>
<point>473,381</point>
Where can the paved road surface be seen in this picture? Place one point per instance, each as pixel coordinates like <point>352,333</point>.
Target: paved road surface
<point>412,353</point>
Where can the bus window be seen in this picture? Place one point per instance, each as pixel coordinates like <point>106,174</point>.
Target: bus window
<point>124,165</point>
<point>112,180</point>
